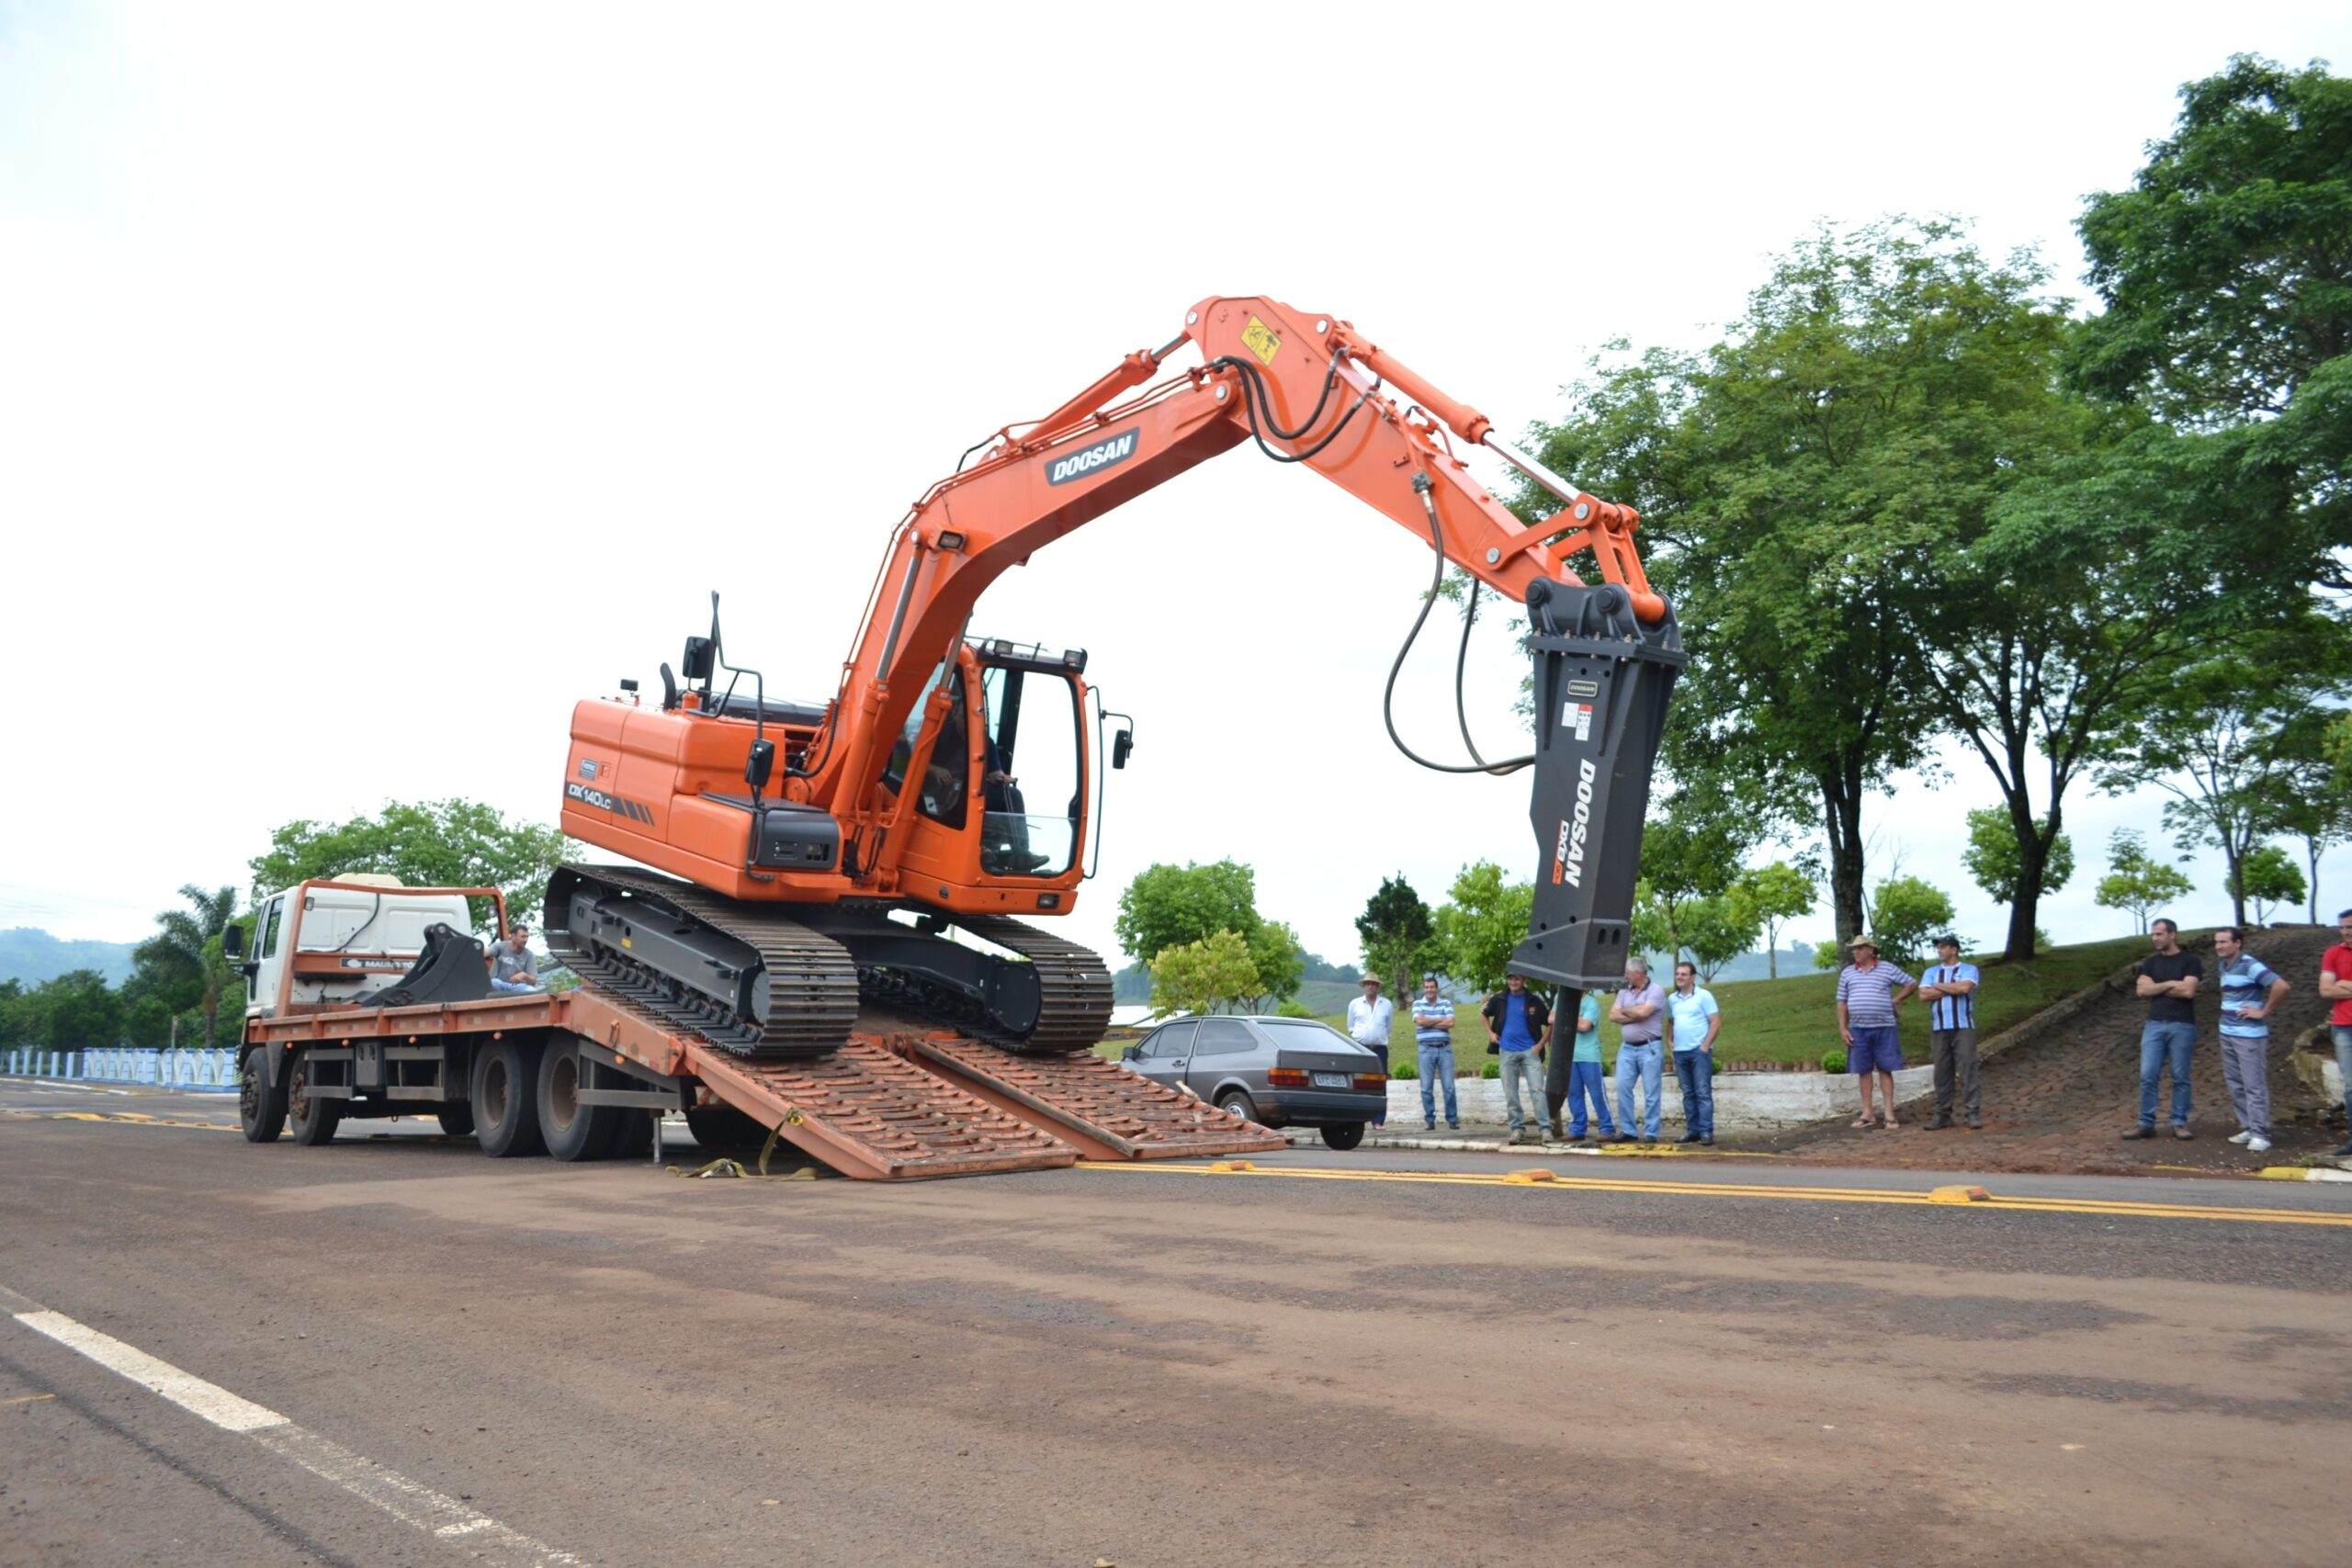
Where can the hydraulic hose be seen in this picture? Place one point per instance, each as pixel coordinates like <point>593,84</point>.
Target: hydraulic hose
<point>1423,485</point>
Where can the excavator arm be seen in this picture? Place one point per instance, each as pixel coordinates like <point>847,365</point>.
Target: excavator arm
<point>1312,391</point>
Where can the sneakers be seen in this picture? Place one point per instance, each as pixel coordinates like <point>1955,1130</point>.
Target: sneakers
<point>1648,1139</point>
<point>1429,1127</point>
<point>1936,1124</point>
<point>1976,1124</point>
<point>2150,1132</point>
<point>1708,1140</point>
<point>1624,1138</point>
<point>2241,1138</point>
<point>1453,1126</point>
<point>2259,1145</point>
<point>1514,1138</point>
<point>2180,1131</point>
<point>1688,1138</point>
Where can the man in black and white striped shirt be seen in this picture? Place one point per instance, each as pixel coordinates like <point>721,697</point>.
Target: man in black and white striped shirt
<point>1949,991</point>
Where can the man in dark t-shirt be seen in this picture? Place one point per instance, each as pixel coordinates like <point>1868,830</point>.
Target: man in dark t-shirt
<point>2168,979</point>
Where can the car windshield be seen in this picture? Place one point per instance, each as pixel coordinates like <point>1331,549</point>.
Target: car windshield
<point>1305,1034</point>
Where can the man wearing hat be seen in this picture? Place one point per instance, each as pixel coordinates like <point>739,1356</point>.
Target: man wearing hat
<point>1370,1018</point>
<point>1868,993</point>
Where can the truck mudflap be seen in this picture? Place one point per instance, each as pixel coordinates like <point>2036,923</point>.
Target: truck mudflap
<point>868,1112</point>
<point>1098,1109</point>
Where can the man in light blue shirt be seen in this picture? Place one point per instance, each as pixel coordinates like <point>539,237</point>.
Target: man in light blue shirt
<point>1433,1032</point>
<point>1693,1021</point>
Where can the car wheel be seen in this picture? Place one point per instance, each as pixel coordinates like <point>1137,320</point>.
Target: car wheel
<point>314,1117</point>
<point>507,1099</point>
<point>261,1104</point>
<point>1238,1101</point>
<point>1343,1135</point>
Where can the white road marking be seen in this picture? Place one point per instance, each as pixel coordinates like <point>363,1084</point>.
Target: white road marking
<point>411,1502</point>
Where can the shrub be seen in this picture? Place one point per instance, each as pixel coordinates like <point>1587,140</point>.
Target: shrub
<point>1294,1009</point>
<point>1407,1068</point>
<point>1491,1070</point>
<point>1833,1061</point>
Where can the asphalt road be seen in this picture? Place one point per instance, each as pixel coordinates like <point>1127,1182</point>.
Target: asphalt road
<point>1369,1358</point>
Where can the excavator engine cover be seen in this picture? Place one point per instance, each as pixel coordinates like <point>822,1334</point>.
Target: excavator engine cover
<point>1601,684</point>
<point>451,969</point>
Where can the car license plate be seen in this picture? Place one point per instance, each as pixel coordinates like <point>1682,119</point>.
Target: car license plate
<point>1330,1080</point>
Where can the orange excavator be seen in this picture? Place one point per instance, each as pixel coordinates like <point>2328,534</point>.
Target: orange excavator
<point>885,851</point>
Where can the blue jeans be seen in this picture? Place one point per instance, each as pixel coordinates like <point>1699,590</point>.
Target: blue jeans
<point>2161,1042</point>
<point>1695,1070</point>
<point>1436,1059</point>
<point>1585,1083</point>
<point>512,989</point>
<point>2342,1035</point>
<point>1645,1059</point>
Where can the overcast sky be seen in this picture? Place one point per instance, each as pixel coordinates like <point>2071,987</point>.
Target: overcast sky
<point>375,384</point>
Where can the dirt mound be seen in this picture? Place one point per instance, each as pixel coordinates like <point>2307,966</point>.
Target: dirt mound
<point>2064,1085</point>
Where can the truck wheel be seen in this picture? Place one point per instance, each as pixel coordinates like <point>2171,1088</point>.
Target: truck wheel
<point>724,1127</point>
<point>261,1104</point>
<point>506,1100</point>
<point>572,1131</point>
<point>1343,1135</point>
<point>457,1120</point>
<point>314,1117</point>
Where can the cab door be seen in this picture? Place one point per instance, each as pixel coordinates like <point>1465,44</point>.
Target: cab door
<point>1163,1058</point>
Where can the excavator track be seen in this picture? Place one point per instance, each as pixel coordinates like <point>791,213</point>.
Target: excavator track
<point>812,993</point>
<point>1074,1000</point>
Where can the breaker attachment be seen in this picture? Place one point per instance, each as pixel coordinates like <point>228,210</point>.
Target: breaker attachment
<point>1601,684</point>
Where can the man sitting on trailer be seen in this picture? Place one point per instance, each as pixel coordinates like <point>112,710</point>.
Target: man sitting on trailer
<point>510,962</point>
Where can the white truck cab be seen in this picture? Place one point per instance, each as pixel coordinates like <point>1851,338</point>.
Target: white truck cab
<point>354,940</point>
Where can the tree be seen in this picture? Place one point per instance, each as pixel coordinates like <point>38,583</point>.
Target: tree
<point>2271,876</point>
<point>1992,857</point>
<point>1909,915</point>
<point>1483,919</point>
<point>1769,896</point>
<point>17,1026</point>
<point>2134,881</point>
<point>1689,854</point>
<point>1278,961</point>
<point>2313,803</point>
<point>2218,742</point>
<point>1716,929</point>
<point>184,955</point>
<point>78,1011</point>
<point>1168,906</point>
<point>1396,928</point>
<point>1203,974</point>
<point>2227,288</point>
<point>1805,481</point>
<point>433,843</point>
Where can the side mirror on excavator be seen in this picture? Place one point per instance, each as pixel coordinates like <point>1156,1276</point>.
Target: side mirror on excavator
<point>1123,745</point>
<point>760,764</point>
<point>232,942</point>
<point>695,664</point>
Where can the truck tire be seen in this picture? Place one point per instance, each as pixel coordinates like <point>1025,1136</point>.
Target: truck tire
<point>572,1131</point>
<point>313,1117</point>
<point>261,1104</point>
<point>507,1099</point>
<point>724,1127</point>
<point>457,1120</point>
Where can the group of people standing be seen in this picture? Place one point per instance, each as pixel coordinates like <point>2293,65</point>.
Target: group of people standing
<point>2170,979</point>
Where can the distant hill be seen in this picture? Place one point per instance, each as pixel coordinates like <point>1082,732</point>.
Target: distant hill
<point>30,955</point>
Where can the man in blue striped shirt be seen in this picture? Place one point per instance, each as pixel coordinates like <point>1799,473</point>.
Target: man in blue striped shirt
<point>1949,991</point>
<point>2251,992</point>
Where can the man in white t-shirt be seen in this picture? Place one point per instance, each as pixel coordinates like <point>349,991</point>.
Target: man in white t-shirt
<point>1371,1017</point>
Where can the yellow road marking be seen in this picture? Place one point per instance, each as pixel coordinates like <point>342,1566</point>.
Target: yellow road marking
<point>133,1117</point>
<point>2122,1207</point>
<point>27,1399</point>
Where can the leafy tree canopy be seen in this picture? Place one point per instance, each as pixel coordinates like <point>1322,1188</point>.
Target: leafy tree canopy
<point>1200,975</point>
<point>1910,914</point>
<point>1484,918</point>
<point>2136,881</point>
<point>1991,856</point>
<point>1396,929</point>
<point>433,843</point>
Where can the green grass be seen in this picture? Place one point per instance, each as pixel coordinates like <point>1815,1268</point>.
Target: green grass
<point>1794,1019</point>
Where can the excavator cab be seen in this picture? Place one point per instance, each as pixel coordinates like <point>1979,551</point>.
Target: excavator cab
<point>999,814</point>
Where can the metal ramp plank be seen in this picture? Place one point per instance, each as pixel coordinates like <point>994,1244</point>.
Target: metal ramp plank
<point>869,1113</point>
<point>1106,1112</point>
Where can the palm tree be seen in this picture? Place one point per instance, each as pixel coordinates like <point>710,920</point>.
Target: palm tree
<point>188,944</point>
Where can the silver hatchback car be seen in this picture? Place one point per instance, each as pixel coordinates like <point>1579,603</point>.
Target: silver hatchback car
<point>1278,1072</point>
